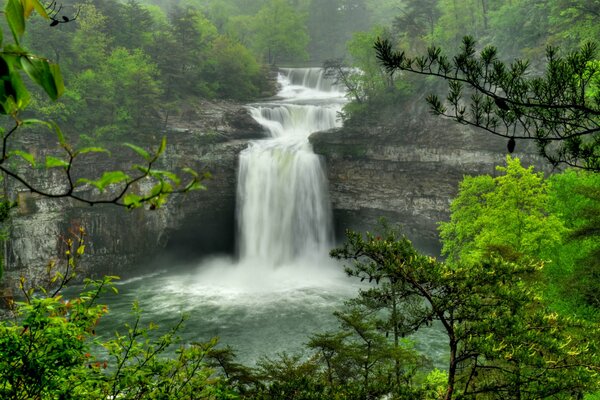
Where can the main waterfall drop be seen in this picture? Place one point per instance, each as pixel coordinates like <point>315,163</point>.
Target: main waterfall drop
<point>284,212</point>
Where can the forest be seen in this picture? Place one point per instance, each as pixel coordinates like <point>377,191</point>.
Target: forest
<point>515,290</point>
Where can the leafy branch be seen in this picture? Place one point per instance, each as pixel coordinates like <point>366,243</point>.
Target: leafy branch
<point>559,110</point>
<point>115,187</point>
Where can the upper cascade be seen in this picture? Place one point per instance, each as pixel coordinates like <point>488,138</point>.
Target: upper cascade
<point>294,120</point>
<point>307,83</point>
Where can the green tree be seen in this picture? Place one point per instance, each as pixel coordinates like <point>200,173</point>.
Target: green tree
<point>91,42</point>
<point>574,198</point>
<point>521,29</point>
<point>508,211</point>
<point>232,70</point>
<point>279,33</point>
<point>50,350</point>
<point>416,23</point>
<point>137,26</point>
<point>502,341</point>
<point>113,187</point>
<point>555,110</point>
<point>574,22</point>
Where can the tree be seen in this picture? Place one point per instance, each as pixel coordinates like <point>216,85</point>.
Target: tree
<point>46,348</point>
<point>575,199</point>
<point>502,340</point>
<point>114,187</point>
<point>137,27</point>
<point>509,211</point>
<point>123,91</point>
<point>556,110</point>
<point>50,350</point>
<point>416,21</point>
<point>232,70</point>
<point>280,33</point>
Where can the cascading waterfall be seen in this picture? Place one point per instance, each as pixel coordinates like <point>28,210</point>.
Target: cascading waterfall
<point>283,207</point>
<point>283,287</point>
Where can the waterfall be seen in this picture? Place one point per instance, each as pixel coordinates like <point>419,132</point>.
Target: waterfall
<point>283,206</point>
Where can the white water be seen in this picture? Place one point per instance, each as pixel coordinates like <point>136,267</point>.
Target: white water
<point>284,214</point>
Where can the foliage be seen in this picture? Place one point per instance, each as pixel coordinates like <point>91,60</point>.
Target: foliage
<point>367,83</point>
<point>416,22</point>
<point>552,110</point>
<point>574,198</point>
<point>278,33</point>
<point>509,211</point>
<point>121,187</point>
<point>50,351</point>
<point>129,65</point>
<point>503,342</point>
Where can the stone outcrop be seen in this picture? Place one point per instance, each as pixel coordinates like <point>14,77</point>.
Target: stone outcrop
<point>205,138</point>
<point>406,170</point>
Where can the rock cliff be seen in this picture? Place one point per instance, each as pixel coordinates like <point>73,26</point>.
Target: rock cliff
<point>206,137</point>
<point>406,168</point>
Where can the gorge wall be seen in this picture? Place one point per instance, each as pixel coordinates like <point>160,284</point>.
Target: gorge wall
<point>206,137</point>
<point>406,168</point>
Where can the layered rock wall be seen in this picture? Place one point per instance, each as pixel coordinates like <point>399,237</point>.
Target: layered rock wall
<point>196,223</point>
<point>406,170</point>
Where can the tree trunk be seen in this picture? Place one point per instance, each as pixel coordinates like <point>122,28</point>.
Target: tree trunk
<point>451,369</point>
<point>484,9</point>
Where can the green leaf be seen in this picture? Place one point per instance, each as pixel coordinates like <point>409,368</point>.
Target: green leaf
<point>92,150</point>
<point>165,174</point>
<point>21,93</point>
<point>190,171</point>
<point>157,189</point>
<point>132,200</point>
<point>33,121</point>
<point>13,93</point>
<point>139,150</point>
<point>15,16</point>
<point>108,178</point>
<point>163,146</point>
<point>30,5</point>
<point>58,79</point>
<point>59,134</point>
<point>195,185</point>
<point>43,73</point>
<point>24,155</point>
<point>142,168</point>
<point>54,162</point>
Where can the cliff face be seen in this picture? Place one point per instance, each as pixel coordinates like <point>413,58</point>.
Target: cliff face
<point>406,170</point>
<point>197,223</point>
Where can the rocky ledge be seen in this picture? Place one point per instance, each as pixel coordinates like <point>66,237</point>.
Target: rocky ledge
<point>205,137</point>
<point>406,170</point>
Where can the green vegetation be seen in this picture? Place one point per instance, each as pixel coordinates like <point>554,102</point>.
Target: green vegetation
<point>497,298</point>
<point>49,350</point>
<point>516,296</point>
<point>129,66</point>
